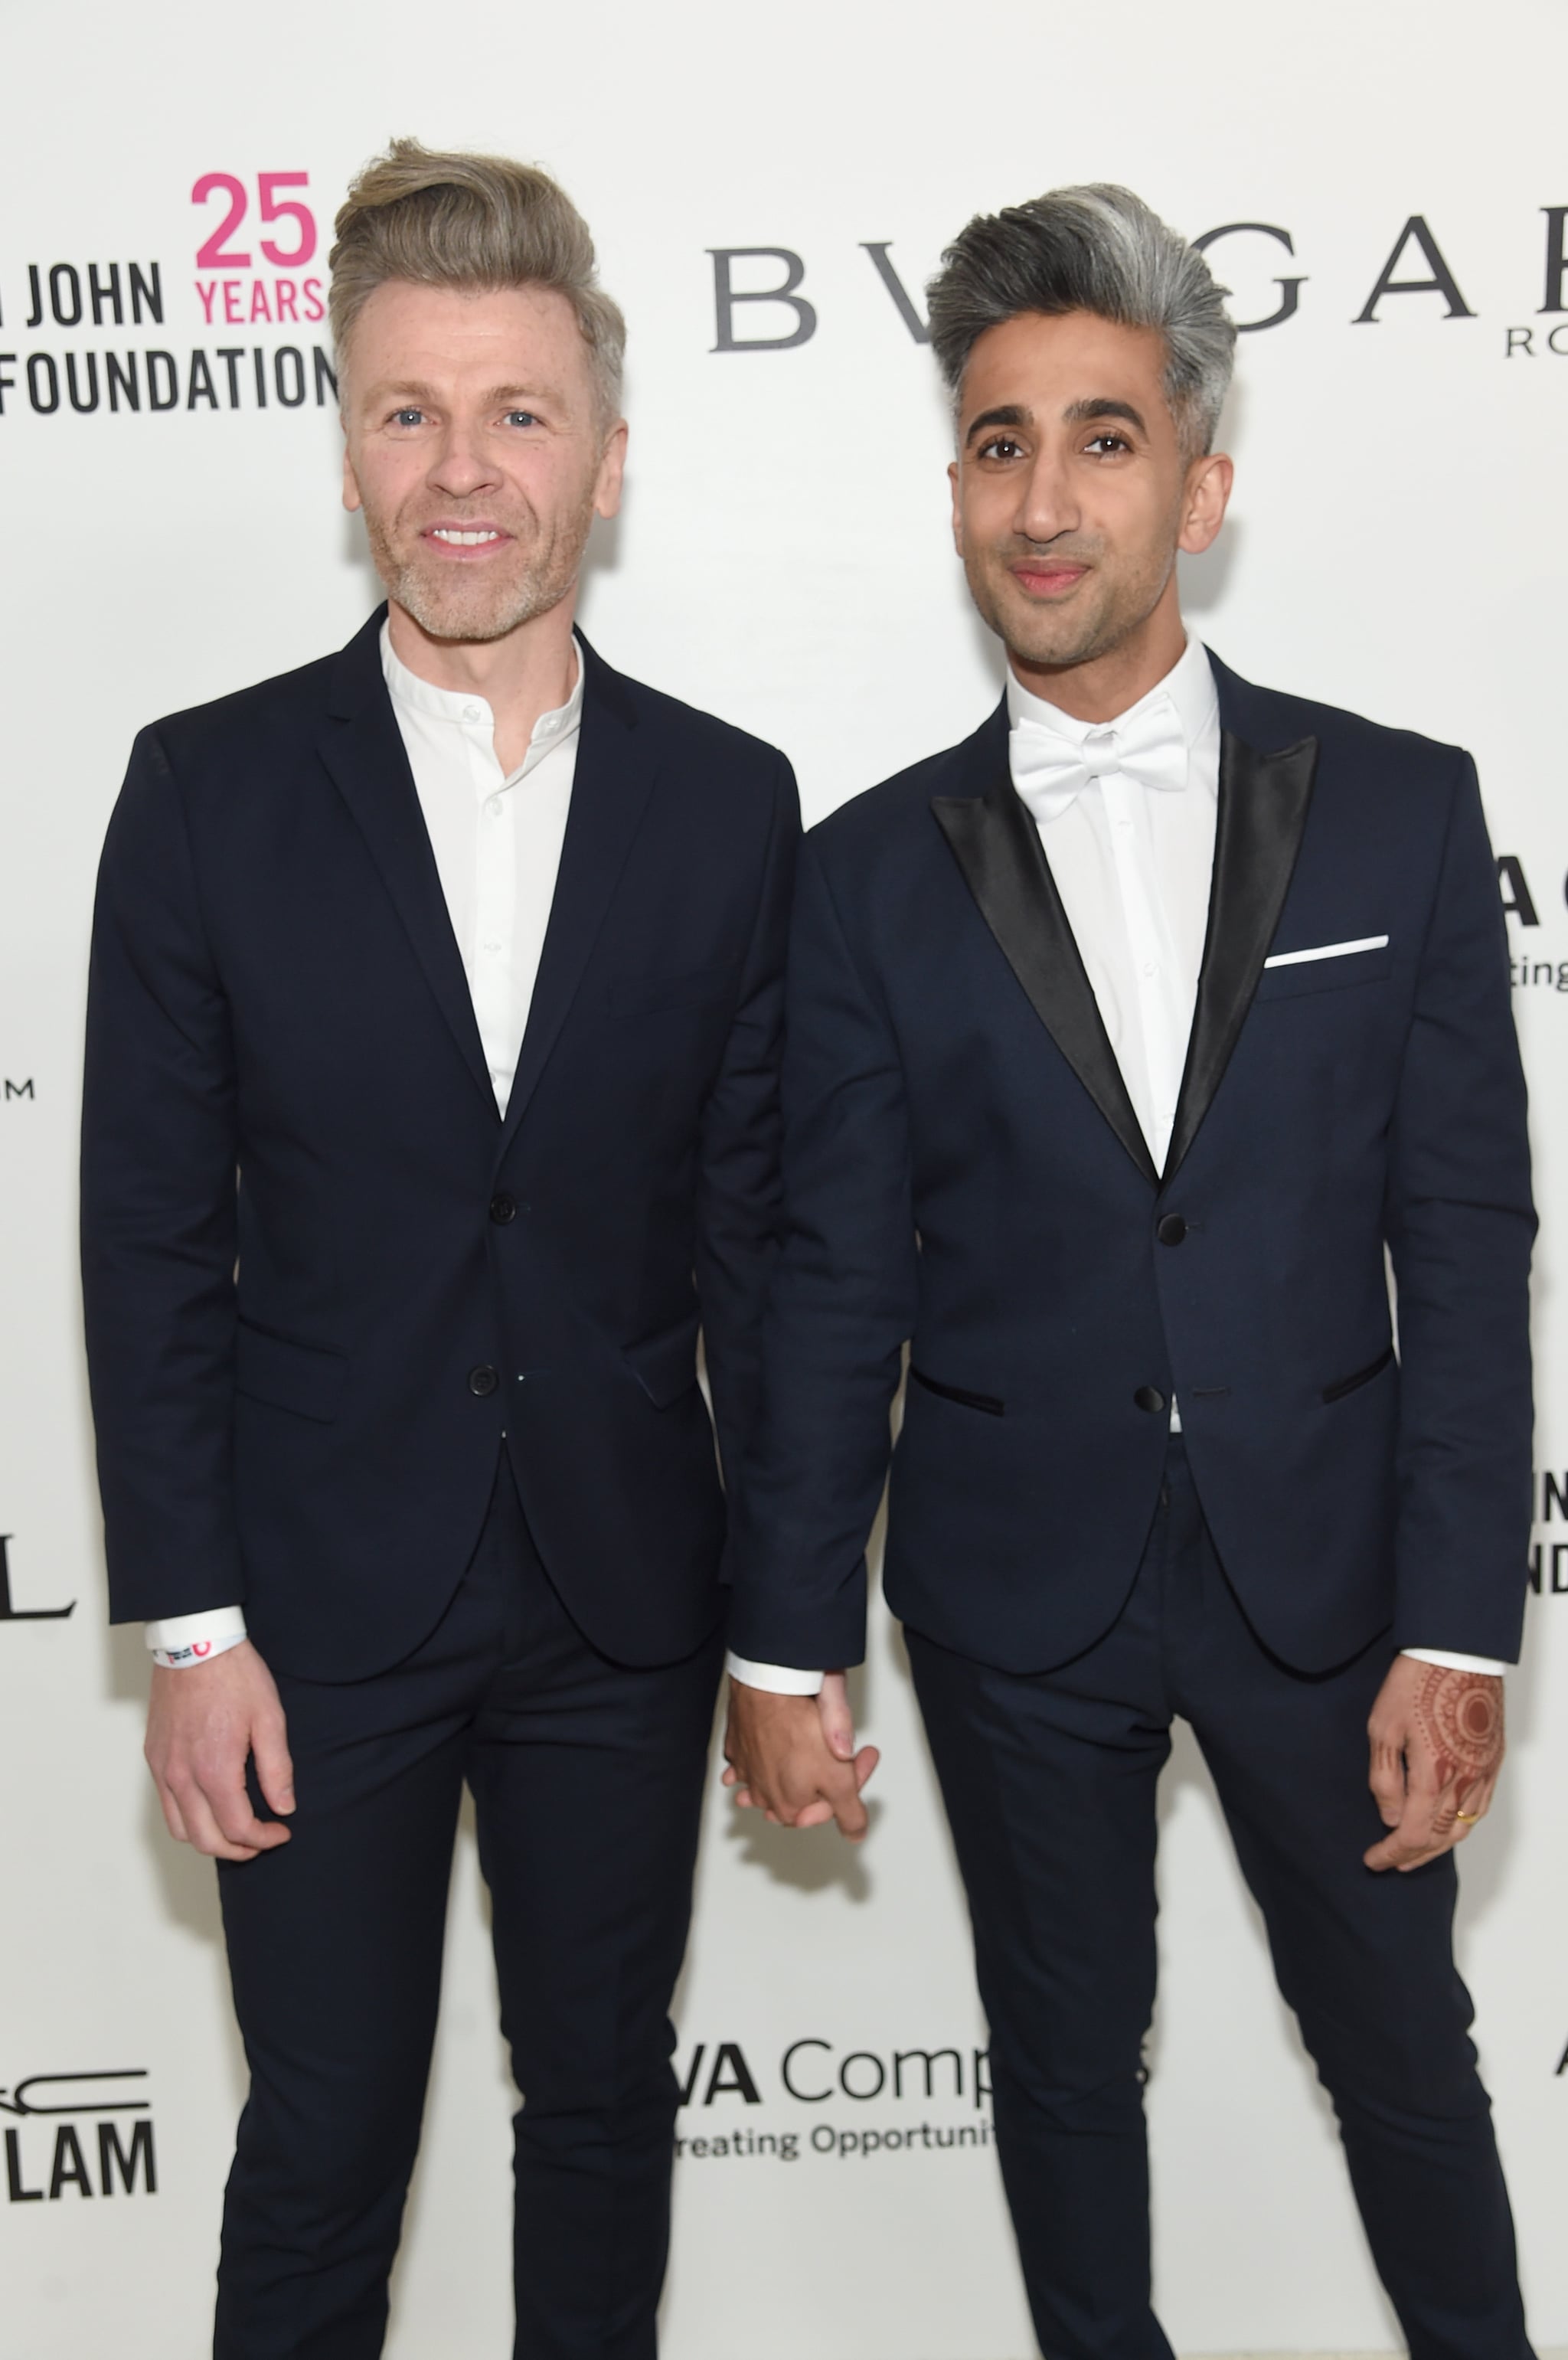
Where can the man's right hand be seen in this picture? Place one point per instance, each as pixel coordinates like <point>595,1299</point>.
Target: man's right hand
<point>794,1757</point>
<point>204,1722</point>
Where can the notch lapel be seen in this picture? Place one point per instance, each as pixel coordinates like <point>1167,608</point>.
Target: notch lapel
<point>1263,804</point>
<point>364,751</point>
<point>610,788</point>
<point>998,848</point>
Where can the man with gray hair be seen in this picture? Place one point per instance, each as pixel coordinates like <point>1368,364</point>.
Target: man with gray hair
<point>465,953</point>
<point>1122,1041</point>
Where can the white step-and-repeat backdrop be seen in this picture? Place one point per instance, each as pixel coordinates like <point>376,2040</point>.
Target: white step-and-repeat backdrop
<point>1385,192</point>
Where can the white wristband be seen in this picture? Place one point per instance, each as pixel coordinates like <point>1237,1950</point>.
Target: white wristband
<point>200,1651</point>
<point>179,1641</point>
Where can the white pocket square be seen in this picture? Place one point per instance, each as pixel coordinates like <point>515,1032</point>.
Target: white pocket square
<point>1328,950</point>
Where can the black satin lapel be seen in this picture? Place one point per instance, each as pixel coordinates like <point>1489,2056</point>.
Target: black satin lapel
<point>1262,811</point>
<point>610,788</point>
<point>997,846</point>
<point>364,751</point>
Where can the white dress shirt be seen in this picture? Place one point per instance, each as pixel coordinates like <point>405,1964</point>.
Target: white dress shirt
<point>1132,864</point>
<point>1126,811</point>
<point>497,841</point>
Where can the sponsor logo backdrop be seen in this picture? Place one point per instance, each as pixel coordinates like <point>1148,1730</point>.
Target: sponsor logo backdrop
<point>1387,200</point>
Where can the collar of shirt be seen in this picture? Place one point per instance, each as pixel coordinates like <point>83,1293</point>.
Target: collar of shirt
<point>472,715</point>
<point>1188,685</point>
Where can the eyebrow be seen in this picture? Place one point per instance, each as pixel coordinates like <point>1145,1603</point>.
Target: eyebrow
<point>1077,413</point>
<point>415,389</point>
<point>1009,414</point>
<point>1080,413</point>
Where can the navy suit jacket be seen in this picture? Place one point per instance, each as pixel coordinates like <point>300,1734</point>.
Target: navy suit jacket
<point>285,1080</point>
<point>964,1172</point>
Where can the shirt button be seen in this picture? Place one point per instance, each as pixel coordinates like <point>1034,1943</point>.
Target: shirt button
<point>494,949</point>
<point>482,1380</point>
<point>494,806</point>
<point>1149,967</point>
<point>473,713</point>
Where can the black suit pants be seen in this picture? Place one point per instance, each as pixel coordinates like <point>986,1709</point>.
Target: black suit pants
<point>587,1781</point>
<point>1049,1784</point>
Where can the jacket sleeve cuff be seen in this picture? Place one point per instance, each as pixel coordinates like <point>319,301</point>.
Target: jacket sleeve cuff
<point>778,1679</point>
<point>1453,1663</point>
<point>179,1640</point>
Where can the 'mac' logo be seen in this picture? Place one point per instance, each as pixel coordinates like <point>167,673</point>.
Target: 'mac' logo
<point>41,2164</point>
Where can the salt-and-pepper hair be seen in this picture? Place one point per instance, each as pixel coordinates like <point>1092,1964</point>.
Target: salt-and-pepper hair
<point>1097,249</point>
<point>480,223</point>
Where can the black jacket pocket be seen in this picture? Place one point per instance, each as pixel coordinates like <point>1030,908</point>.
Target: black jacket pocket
<point>1325,974</point>
<point>1362,1377</point>
<point>308,1379</point>
<point>960,1393</point>
<point>666,1366</point>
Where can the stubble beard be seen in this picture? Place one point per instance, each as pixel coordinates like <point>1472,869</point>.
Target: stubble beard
<point>1109,607</point>
<point>454,601</point>
<point>1062,637</point>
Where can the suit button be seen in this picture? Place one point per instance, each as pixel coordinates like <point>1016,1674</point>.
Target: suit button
<point>482,1380</point>
<point>1150,1398</point>
<point>1171,1229</point>
<point>503,1210</point>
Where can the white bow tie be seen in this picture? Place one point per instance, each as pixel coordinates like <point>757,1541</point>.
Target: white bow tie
<point>1051,770</point>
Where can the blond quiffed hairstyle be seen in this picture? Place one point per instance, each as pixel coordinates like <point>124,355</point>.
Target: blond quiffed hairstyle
<point>480,222</point>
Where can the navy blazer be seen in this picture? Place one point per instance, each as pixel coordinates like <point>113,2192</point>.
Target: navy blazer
<point>284,1073</point>
<point>965,1171</point>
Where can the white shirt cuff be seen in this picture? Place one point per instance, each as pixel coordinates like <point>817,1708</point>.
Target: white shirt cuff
<point>778,1679</point>
<point>180,1639</point>
<point>1452,1663</point>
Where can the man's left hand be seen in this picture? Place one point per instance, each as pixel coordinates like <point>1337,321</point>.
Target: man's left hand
<point>1437,1747</point>
<point>801,1769</point>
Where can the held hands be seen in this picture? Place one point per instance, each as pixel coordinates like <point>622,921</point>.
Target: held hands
<point>204,1722</point>
<point>793,1757</point>
<point>1437,1747</point>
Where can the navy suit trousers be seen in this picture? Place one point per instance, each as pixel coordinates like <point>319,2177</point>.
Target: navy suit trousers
<point>587,1780</point>
<point>1049,1784</point>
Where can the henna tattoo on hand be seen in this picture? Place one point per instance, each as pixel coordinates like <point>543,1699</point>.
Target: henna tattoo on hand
<point>1459,1715</point>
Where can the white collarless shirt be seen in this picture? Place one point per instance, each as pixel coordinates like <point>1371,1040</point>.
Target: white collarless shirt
<point>1133,866</point>
<point>497,839</point>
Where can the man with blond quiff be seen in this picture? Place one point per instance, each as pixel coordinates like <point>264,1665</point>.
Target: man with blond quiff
<point>464,953</point>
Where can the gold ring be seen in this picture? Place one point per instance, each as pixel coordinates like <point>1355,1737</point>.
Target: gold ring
<point>1466,1818</point>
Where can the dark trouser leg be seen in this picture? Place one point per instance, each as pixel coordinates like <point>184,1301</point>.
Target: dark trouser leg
<point>334,1949</point>
<point>588,1782</point>
<point>1365,1960</point>
<point>1050,1785</point>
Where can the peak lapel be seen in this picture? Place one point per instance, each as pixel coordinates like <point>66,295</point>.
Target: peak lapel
<point>362,750</point>
<point>1263,804</point>
<point>610,788</point>
<point>997,846</point>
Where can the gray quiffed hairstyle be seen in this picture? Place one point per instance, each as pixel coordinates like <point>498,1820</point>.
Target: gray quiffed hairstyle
<point>1097,249</point>
<point>481,223</point>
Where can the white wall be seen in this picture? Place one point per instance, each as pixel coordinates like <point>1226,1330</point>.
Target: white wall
<point>1396,545</point>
